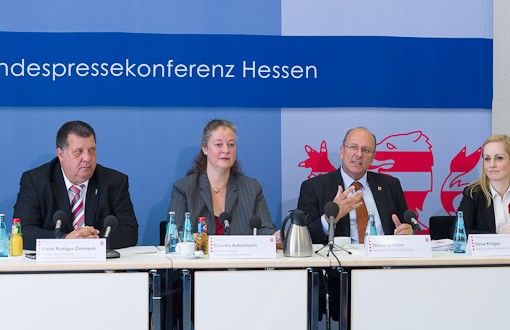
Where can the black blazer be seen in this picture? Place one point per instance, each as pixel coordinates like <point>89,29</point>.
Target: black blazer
<point>43,192</point>
<point>318,191</point>
<point>244,199</point>
<point>478,218</point>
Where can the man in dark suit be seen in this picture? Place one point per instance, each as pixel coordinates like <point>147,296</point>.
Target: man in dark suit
<point>73,183</point>
<point>381,194</point>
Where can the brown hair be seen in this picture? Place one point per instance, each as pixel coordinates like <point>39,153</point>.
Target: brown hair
<point>200,162</point>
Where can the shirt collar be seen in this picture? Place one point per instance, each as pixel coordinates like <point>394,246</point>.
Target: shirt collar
<point>348,180</point>
<point>69,183</point>
<point>494,193</point>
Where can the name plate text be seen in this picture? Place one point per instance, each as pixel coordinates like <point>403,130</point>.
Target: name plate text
<point>398,246</point>
<point>486,245</point>
<point>242,247</point>
<point>71,250</point>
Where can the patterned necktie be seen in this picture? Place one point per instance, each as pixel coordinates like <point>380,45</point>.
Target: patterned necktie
<point>361,216</point>
<point>77,206</point>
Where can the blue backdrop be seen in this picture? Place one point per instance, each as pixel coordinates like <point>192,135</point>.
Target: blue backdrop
<point>417,70</point>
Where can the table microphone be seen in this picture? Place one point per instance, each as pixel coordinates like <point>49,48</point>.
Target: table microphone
<point>255,223</point>
<point>331,211</point>
<point>410,217</point>
<point>110,222</point>
<point>59,217</point>
<point>225,218</point>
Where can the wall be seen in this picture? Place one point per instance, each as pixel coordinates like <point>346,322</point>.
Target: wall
<point>501,101</point>
<point>155,145</point>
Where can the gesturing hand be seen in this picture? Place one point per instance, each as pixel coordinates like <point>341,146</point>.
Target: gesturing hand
<point>347,203</point>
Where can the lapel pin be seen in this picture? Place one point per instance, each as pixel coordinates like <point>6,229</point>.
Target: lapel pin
<point>379,188</point>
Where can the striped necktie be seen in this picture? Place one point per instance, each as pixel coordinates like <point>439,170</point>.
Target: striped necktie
<point>77,206</point>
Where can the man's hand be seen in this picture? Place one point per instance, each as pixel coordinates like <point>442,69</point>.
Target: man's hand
<point>83,232</point>
<point>279,243</point>
<point>347,203</point>
<point>400,228</point>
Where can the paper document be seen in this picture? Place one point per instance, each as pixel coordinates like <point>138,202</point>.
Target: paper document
<point>445,244</point>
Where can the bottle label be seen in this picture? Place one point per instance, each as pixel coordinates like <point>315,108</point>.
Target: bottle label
<point>202,227</point>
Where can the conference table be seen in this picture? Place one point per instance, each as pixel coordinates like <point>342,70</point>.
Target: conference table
<point>83,295</point>
<point>279,293</point>
<point>227,293</point>
<point>446,291</point>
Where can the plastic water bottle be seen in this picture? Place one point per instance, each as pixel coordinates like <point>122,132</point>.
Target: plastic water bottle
<point>459,235</point>
<point>4,237</point>
<point>187,229</point>
<point>171,236</point>
<point>371,229</point>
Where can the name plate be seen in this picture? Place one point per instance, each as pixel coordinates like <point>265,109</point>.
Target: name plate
<point>486,245</point>
<point>71,250</point>
<point>398,246</point>
<point>242,247</point>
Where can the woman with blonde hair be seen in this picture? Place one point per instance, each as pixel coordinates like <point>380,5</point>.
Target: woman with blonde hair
<point>485,202</point>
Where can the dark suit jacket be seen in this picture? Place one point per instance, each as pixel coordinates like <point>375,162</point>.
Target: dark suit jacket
<point>243,200</point>
<point>478,218</point>
<point>318,191</point>
<point>43,192</point>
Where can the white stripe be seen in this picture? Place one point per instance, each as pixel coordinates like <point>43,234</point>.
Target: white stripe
<point>414,181</point>
<point>398,18</point>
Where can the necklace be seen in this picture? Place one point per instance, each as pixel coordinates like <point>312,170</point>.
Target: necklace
<point>217,190</point>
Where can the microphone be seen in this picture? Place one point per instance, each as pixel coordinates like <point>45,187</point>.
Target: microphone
<point>59,217</point>
<point>410,217</point>
<point>225,218</point>
<point>331,211</point>
<point>110,223</point>
<point>255,223</point>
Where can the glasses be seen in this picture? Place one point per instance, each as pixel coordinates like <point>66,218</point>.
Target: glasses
<point>355,148</point>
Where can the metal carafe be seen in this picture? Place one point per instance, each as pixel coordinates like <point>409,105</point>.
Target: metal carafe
<point>297,242</point>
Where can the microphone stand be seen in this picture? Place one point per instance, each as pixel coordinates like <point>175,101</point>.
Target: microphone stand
<point>111,254</point>
<point>331,243</point>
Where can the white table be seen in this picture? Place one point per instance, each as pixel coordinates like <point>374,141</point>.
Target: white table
<point>100,295</point>
<point>447,291</point>
<point>279,293</point>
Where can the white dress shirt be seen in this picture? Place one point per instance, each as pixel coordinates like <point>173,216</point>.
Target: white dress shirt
<point>501,208</point>
<point>70,195</point>
<point>369,201</point>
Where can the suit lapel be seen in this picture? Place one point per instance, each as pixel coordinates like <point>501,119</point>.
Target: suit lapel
<point>377,190</point>
<point>91,201</point>
<point>488,213</point>
<point>232,194</point>
<point>60,195</point>
<point>205,192</point>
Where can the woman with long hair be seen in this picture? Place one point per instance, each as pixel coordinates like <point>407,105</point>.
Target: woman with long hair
<point>485,202</point>
<point>215,185</point>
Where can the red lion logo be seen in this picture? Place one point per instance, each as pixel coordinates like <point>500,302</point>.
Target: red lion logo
<point>407,156</point>
<point>454,184</point>
<point>318,162</point>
